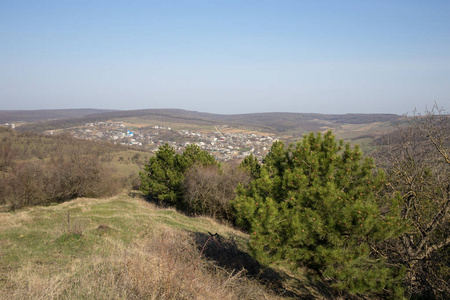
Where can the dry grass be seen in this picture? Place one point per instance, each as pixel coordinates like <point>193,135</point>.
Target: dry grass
<point>166,264</point>
<point>117,248</point>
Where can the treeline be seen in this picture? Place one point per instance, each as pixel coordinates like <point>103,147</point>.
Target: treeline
<point>36,169</point>
<point>376,227</point>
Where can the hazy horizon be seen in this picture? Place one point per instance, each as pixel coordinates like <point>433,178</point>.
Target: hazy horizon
<point>188,110</point>
<point>226,57</point>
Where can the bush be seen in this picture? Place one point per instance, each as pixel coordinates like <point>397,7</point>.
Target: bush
<point>208,190</point>
<point>76,174</point>
<point>25,186</point>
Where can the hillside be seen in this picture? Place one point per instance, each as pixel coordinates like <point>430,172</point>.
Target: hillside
<point>359,128</point>
<point>40,169</point>
<point>273,122</point>
<point>126,248</point>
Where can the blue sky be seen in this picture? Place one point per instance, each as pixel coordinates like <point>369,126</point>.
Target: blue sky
<point>226,56</point>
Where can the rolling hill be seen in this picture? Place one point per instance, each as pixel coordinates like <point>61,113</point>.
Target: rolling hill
<point>350,126</point>
<point>16,116</point>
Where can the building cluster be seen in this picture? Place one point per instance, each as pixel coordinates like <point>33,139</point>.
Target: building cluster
<point>226,146</point>
<point>223,145</point>
<point>10,125</point>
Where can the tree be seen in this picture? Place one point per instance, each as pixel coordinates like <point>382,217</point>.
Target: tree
<point>6,154</point>
<point>416,158</point>
<point>251,164</point>
<point>163,176</point>
<point>192,154</point>
<point>315,205</point>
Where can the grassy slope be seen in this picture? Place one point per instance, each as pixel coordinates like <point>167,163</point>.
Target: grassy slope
<point>124,248</point>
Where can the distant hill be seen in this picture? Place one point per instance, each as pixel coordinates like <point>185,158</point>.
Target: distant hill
<point>14,116</point>
<point>301,122</point>
<point>276,122</point>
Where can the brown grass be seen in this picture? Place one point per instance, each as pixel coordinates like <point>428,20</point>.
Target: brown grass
<point>127,249</point>
<point>163,264</point>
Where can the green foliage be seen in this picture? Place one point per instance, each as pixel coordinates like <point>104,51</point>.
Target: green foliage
<point>163,176</point>
<point>251,164</point>
<point>192,154</point>
<point>314,205</point>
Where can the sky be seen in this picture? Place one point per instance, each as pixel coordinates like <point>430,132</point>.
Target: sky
<point>226,56</point>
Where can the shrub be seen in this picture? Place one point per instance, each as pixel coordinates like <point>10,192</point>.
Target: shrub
<point>208,190</point>
<point>25,185</point>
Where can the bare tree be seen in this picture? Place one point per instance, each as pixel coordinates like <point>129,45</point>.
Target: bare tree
<point>73,169</point>
<point>6,153</point>
<point>417,162</point>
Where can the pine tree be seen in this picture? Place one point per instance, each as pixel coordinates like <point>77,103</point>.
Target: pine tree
<point>192,154</point>
<point>314,205</point>
<point>163,176</point>
<point>251,164</point>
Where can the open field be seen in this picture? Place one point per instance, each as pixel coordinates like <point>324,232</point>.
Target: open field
<point>126,248</point>
<point>363,134</point>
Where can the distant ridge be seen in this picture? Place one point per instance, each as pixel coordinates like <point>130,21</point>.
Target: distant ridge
<point>274,122</point>
<point>255,117</point>
<point>11,116</point>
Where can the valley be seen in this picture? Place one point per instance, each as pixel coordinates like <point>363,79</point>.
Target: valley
<point>227,137</point>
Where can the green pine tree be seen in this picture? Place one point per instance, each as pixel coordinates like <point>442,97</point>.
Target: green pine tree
<point>251,164</point>
<point>192,154</point>
<point>163,176</point>
<point>315,205</point>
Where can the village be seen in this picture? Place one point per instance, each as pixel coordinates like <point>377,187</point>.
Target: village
<point>224,145</point>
